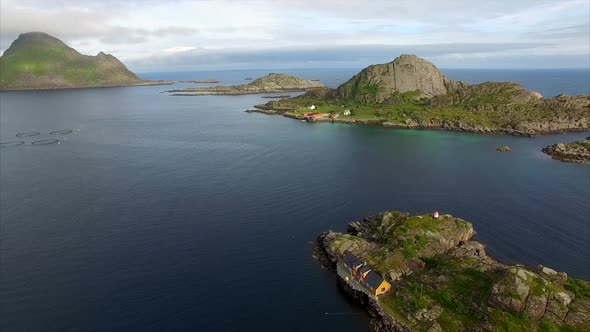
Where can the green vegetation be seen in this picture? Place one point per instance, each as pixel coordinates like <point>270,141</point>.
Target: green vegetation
<point>548,326</point>
<point>581,289</point>
<point>37,60</point>
<point>460,296</point>
<point>458,287</point>
<point>489,108</point>
<point>507,322</point>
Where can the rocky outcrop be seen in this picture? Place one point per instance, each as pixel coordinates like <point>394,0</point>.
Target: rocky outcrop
<point>504,148</point>
<point>451,284</point>
<point>576,152</point>
<point>488,93</point>
<point>271,83</point>
<point>407,73</point>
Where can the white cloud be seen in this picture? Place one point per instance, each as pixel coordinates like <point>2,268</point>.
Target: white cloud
<point>158,35</point>
<point>178,49</point>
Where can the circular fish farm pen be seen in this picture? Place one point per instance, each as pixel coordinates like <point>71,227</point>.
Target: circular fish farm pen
<point>46,141</point>
<point>61,132</point>
<point>28,134</point>
<point>11,144</point>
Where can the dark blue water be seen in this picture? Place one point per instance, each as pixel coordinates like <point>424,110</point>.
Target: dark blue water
<point>185,213</point>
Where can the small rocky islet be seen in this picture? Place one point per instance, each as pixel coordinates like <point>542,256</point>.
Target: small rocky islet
<point>575,152</point>
<point>271,83</point>
<point>442,280</point>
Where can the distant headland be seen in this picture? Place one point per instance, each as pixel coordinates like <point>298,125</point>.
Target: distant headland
<point>410,92</point>
<point>36,60</point>
<point>425,273</point>
<point>271,83</point>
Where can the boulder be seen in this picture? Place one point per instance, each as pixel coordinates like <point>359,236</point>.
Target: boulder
<point>535,306</point>
<point>579,315</point>
<point>511,291</point>
<point>557,306</point>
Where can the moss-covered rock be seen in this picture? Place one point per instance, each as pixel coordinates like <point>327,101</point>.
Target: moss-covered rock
<point>444,281</point>
<point>576,152</point>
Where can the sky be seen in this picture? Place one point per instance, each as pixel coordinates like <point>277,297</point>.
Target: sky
<point>178,35</point>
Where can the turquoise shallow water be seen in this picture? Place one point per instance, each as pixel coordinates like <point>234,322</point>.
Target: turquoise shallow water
<point>176,213</point>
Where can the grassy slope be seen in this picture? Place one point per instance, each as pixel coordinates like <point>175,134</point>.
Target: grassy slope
<point>494,110</point>
<point>463,294</point>
<point>63,65</point>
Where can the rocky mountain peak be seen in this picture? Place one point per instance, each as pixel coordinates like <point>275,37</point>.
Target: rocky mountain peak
<point>406,73</point>
<point>35,39</point>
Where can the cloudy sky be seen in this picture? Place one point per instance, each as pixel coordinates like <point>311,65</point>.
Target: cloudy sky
<point>271,34</point>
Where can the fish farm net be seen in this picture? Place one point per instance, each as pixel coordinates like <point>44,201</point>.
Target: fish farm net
<point>28,134</point>
<point>46,141</point>
<point>10,144</point>
<point>61,132</point>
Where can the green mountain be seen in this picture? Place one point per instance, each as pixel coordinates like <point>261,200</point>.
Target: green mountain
<point>36,60</point>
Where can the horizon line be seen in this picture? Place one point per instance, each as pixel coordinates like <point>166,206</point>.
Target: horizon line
<point>336,68</point>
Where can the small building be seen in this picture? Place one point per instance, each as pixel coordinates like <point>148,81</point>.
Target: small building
<point>347,112</point>
<point>376,284</point>
<point>436,215</point>
<point>364,271</point>
<point>312,107</point>
<point>356,266</point>
<point>348,261</point>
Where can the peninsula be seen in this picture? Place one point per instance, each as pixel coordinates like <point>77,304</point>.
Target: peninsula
<point>575,152</point>
<point>36,60</point>
<point>271,83</point>
<point>410,92</point>
<point>442,280</point>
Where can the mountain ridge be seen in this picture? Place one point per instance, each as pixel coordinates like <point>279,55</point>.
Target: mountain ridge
<point>37,60</point>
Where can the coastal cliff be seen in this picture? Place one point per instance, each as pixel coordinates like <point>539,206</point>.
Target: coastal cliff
<point>406,73</point>
<point>442,280</point>
<point>270,83</point>
<point>36,60</point>
<point>411,92</point>
<point>576,152</point>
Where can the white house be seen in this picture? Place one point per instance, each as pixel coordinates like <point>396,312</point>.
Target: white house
<point>346,112</point>
<point>312,107</point>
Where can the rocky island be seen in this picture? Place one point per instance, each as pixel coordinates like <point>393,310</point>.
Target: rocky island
<point>442,280</point>
<point>576,152</point>
<point>36,60</point>
<point>410,92</point>
<point>271,83</point>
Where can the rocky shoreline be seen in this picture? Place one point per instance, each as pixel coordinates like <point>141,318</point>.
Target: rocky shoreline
<point>380,321</point>
<point>142,83</point>
<point>440,125</point>
<point>411,93</point>
<point>576,152</point>
<point>452,271</point>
